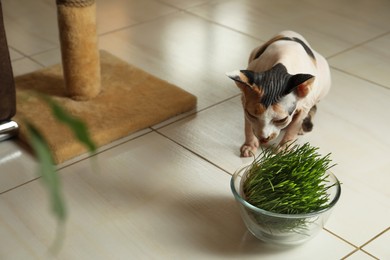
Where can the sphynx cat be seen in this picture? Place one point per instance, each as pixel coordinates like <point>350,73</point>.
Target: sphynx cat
<point>281,86</point>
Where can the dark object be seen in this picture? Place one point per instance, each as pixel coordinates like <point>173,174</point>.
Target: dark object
<point>7,87</point>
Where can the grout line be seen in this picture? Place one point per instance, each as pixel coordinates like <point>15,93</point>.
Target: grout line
<point>18,52</point>
<point>341,238</point>
<point>360,77</point>
<point>348,255</point>
<point>220,102</point>
<point>41,52</point>
<point>224,26</point>
<point>359,248</point>
<point>176,11</point>
<point>139,23</point>
<point>30,59</point>
<point>193,152</point>
<point>182,9</point>
<point>20,185</point>
<point>188,11</point>
<point>39,63</point>
<point>197,112</point>
<point>88,156</point>
<point>369,254</point>
<point>358,45</point>
<point>375,237</point>
<point>35,53</point>
<point>180,118</point>
<point>18,59</point>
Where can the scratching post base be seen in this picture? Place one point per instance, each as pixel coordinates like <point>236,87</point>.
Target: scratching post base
<point>130,100</point>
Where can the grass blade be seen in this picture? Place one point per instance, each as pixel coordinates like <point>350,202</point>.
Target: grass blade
<point>48,172</point>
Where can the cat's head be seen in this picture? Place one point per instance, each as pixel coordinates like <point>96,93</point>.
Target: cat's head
<point>270,98</point>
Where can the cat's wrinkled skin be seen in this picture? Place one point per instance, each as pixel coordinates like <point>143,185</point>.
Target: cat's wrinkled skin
<point>281,86</point>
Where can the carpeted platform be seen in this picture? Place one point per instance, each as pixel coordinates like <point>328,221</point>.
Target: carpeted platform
<point>131,100</point>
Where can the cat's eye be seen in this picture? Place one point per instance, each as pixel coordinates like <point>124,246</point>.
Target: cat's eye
<point>250,115</point>
<point>281,121</point>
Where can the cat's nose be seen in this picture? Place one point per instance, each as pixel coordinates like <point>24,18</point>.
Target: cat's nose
<point>264,140</point>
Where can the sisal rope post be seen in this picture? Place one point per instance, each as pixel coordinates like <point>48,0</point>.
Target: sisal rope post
<point>79,48</point>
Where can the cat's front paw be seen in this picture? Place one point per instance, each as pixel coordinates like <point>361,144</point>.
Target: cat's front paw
<point>249,149</point>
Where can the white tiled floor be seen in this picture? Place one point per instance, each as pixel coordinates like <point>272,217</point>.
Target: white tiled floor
<point>163,193</point>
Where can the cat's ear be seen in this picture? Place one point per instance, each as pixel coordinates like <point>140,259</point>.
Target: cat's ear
<point>301,83</point>
<point>243,78</point>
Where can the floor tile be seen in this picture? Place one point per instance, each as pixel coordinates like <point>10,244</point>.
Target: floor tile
<point>328,28</point>
<point>31,26</point>
<point>48,58</point>
<point>186,51</point>
<point>103,148</point>
<point>373,12</point>
<point>216,134</point>
<point>23,66</point>
<point>184,4</point>
<point>17,166</point>
<point>130,206</point>
<point>98,199</point>
<point>379,247</point>
<point>343,127</point>
<point>14,55</point>
<point>360,255</point>
<point>216,233</point>
<point>350,124</point>
<point>370,61</point>
<point>127,13</point>
<point>355,210</point>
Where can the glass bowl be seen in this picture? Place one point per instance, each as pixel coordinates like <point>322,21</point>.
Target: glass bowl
<point>282,229</point>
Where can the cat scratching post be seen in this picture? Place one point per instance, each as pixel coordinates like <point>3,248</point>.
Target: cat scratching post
<point>79,48</point>
<point>112,97</point>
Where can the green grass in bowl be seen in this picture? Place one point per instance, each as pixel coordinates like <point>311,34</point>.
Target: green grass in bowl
<point>292,181</point>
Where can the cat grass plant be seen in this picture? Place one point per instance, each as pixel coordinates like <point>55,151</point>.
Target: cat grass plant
<point>292,181</point>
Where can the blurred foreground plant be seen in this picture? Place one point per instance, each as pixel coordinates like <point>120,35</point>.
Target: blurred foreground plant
<point>47,169</point>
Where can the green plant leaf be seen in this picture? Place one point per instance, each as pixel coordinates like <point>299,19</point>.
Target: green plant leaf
<point>48,172</point>
<point>78,127</point>
<point>47,168</point>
